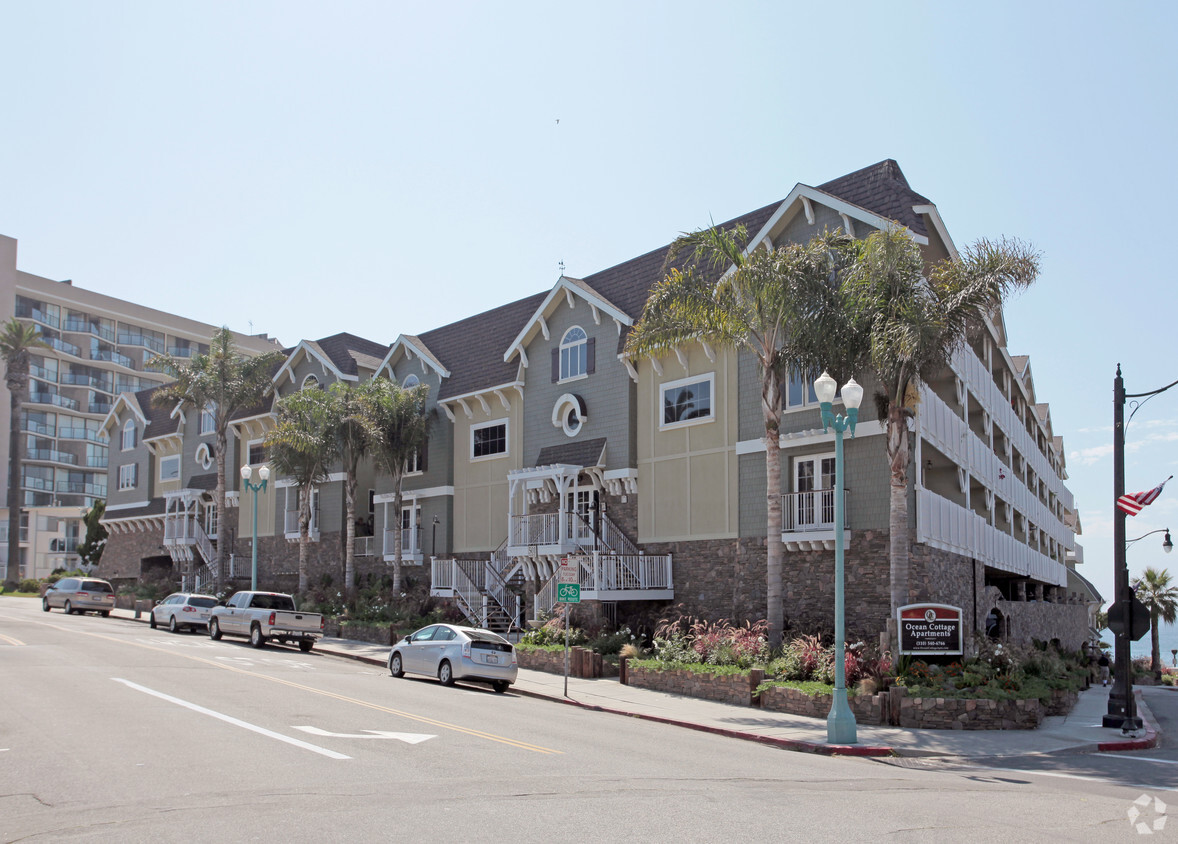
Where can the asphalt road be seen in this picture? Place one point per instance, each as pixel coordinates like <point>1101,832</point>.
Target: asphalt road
<point>110,731</point>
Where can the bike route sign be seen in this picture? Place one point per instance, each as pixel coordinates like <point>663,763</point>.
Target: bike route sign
<point>568,593</point>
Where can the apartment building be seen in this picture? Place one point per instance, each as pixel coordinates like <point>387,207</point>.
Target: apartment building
<point>98,347</point>
<point>549,444</point>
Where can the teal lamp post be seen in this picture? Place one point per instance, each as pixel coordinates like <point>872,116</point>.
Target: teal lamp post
<point>840,724</point>
<point>263,475</point>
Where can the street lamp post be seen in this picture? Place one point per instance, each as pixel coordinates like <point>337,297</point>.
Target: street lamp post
<point>840,724</point>
<point>264,475</point>
<point>1122,706</point>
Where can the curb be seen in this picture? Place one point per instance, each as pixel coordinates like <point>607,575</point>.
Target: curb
<point>1152,736</point>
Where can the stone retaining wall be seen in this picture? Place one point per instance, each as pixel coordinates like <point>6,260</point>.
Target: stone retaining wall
<point>582,662</point>
<point>726,688</point>
<point>868,709</point>
<point>969,714</point>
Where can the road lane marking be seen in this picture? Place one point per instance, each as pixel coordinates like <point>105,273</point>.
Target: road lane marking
<point>408,738</point>
<point>522,745</point>
<point>1138,758</point>
<point>1082,777</point>
<point>11,640</point>
<point>323,751</point>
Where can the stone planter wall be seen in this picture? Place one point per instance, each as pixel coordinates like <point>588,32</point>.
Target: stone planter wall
<point>868,709</point>
<point>582,662</point>
<point>1061,702</point>
<point>726,688</point>
<point>375,634</point>
<point>969,714</point>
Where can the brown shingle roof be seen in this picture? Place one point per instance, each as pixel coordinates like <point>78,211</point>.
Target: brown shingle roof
<point>883,190</point>
<point>160,421</point>
<point>587,453</point>
<point>348,352</point>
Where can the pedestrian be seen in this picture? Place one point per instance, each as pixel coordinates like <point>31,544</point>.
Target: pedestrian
<point>1103,663</point>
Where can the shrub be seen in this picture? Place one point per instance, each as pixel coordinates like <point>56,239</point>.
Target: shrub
<point>29,584</point>
<point>609,644</point>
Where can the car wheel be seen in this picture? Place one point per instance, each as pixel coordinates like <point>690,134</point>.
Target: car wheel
<point>446,673</point>
<point>214,630</point>
<point>395,666</point>
<point>256,637</point>
<point>500,686</point>
<point>105,613</point>
<point>305,645</point>
<point>173,627</point>
<point>68,609</point>
<point>44,605</point>
<point>151,622</point>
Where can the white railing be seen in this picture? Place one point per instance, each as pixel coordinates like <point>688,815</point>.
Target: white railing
<point>948,526</point>
<point>807,511</point>
<point>291,523</point>
<point>441,574</point>
<point>537,529</point>
<point>362,546</point>
<point>546,596</point>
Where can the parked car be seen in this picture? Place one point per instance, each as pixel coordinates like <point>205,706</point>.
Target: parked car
<point>266,617</point>
<point>80,595</point>
<point>450,653</point>
<point>183,610</point>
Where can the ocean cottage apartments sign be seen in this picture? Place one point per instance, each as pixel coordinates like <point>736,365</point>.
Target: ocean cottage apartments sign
<point>930,630</point>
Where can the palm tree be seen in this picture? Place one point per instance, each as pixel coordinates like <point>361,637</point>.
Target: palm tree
<point>302,446</point>
<point>1156,591</point>
<point>222,382</point>
<point>783,307</point>
<point>17,341</point>
<point>400,426</point>
<point>916,318</point>
<point>353,434</point>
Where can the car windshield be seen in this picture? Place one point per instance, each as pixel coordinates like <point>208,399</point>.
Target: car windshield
<point>202,602</point>
<point>96,586</point>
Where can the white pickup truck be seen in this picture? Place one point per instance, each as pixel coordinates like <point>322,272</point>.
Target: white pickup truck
<point>265,616</point>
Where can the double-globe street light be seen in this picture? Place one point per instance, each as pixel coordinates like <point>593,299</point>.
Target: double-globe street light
<point>840,724</point>
<point>264,475</point>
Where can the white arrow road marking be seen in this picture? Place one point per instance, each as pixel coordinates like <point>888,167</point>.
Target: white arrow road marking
<point>331,754</point>
<point>408,738</point>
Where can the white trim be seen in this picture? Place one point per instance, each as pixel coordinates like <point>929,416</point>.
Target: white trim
<point>491,423</point>
<point>130,506</point>
<point>813,436</point>
<point>304,346</point>
<point>710,378</point>
<point>249,444</point>
<point>427,492</point>
<point>205,464</point>
<point>568,288</point>
<point>935,216</point>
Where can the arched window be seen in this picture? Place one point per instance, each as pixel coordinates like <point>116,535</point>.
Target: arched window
<point>574,357</point>
<point>310,383</point>
<point>128,435</point>
<point>411,381</point>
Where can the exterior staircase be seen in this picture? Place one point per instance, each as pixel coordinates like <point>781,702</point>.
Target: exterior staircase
<point>481,589</point>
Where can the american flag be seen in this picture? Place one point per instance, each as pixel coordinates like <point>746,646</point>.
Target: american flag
<point>1133,503</point>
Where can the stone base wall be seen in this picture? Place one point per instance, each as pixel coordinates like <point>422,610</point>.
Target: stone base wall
<point>969,714</point>
<point>122,558</point>
<point>582,662</point>
<point>736,689</point>
<point>868,709</point>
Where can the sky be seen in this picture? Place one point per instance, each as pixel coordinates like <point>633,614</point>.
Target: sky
<point>381,168</point>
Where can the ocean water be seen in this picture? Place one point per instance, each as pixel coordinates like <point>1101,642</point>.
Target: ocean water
<point>1167,639</point>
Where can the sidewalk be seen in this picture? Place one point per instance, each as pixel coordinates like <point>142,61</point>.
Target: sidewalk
<point>1078,732</point>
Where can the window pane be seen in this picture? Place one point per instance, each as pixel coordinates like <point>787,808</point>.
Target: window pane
<point>490,440</point>
<point>687,402</point>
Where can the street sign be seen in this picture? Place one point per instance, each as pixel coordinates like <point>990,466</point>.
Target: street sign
<point>568,593</point>
<point>1139,625</point>
<point>567,573</point>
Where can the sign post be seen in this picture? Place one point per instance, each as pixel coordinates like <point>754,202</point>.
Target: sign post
<point>568,591</point>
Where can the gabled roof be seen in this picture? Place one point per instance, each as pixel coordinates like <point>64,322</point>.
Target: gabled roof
<point>413,346</point>
<point>342,354</point>
<point>883,190</point>
<point>157,421</point>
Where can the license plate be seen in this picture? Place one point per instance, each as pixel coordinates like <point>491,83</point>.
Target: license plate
<point>492,659</point>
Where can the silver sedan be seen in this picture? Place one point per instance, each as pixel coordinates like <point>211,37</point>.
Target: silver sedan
<point>183,611</point>
<point>450,653</point>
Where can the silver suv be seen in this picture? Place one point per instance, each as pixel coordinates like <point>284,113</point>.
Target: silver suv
<point>80,595</point>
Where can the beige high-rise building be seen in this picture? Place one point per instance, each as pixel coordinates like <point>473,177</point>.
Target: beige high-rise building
<point>98,348</point>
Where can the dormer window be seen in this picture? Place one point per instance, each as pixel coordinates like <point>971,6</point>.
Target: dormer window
<point>310,383</point>
<point>410,382</point>
<point>574,357</point>
<point>129,435</point>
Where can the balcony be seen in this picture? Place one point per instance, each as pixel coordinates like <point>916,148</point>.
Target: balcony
<point>93,381</point>
<point>78,434</point>
<point>37,428</point>
<point>182,351</point>
<point>53,399</point>
<point>87,327</point>
<point>807,520</point>
<point>43,484</point>
<point>63,346</point>
<point>82,488</point>
<point>52,455</point>
<point>153,343</point>
<point>410,545</point>
<point>43,373</point>
<point>102,407</point>
<point>97,462</point>
<point>113,357</point>
<point>27,312</point>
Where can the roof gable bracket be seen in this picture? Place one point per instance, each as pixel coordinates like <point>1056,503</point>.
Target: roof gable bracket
<point>543,326</point>
<point>682,358</point>
<point>848,226</point>
<point>618,323</point>
<point>596,314</point>
<point>465,408</point>
<point>483,404</point>
<point>658,367</point>
<point>503,399</point>
<point>523,356</point>
<point>709,351</point>
<point>629,368</point>
<point>449,413</point>
<point>808,208</point>
<point>568,297</point>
